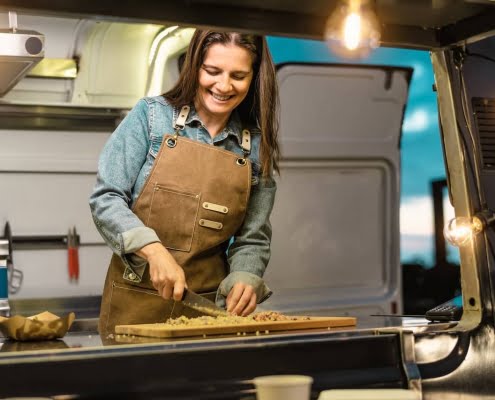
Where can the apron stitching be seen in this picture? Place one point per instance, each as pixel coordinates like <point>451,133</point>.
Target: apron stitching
<point>195,219</point>
<point>153,169</point>
<point>166,189</point>
<point>109,307</point>
<point>149,208</point>
<point>248,192</point>
<point>147,291</point>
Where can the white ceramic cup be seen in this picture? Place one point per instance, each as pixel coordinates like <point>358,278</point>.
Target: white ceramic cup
<point>283,387</point>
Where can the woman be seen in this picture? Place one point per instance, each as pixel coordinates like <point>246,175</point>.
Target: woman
<point>185,189</point>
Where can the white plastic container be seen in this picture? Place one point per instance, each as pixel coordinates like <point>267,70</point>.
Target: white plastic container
<point>283,387</point>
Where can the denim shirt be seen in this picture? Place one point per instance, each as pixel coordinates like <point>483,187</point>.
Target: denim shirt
<point>126,162</point>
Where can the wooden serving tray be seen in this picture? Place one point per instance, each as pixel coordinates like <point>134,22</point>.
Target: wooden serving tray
<point>162,330</point>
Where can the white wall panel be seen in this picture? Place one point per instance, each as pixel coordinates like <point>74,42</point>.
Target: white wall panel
<point>46,179</point>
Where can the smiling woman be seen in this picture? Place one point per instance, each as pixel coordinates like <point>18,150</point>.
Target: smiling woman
<point>189,205</point>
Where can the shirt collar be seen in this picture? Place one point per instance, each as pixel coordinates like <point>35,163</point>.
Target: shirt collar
<point>233,127</point>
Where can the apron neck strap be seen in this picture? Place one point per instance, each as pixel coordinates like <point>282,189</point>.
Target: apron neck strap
<point>246,141</point>
<point>180,122</point>
<point>246,147</point>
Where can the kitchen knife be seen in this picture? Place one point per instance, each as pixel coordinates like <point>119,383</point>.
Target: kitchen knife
<point>202,304</point>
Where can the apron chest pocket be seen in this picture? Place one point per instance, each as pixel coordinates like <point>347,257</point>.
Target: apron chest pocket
<point>173,216</point>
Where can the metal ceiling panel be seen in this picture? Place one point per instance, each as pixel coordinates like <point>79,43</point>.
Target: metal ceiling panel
<point>416,24</point>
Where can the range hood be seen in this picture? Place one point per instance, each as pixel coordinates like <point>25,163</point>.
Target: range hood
<point>20,50</point>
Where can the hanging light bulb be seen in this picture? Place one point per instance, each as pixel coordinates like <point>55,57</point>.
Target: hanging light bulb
<point>352,29</point>
<point>460,231</point>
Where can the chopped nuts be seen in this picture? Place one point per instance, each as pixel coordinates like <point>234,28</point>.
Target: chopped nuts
<point>231,320</point>
<point>265,316</point>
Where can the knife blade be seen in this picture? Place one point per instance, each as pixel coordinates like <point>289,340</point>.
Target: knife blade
<point>202,304</point>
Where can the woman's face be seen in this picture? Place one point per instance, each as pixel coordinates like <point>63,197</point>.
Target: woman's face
<point>224,79</point>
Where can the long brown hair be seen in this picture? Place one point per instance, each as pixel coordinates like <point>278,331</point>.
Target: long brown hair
<point>259,108</point>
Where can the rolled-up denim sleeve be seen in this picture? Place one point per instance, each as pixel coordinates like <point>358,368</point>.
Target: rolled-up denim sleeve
<point>249,252</point>
<point>119,165</point>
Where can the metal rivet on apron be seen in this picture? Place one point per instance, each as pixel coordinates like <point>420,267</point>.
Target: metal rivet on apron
<point>171,143</point>
<point>241,161</point>
<point>132,276</point>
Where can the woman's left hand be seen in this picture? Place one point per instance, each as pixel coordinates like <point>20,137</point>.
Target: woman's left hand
<point>241,299</point>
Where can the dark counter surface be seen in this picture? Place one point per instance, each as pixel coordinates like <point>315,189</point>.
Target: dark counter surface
<point>83,336</point>
<point>86,365</point>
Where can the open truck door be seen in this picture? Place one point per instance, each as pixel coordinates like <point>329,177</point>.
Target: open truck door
<point>335,222</point>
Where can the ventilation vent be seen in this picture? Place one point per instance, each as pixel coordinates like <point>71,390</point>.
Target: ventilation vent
<point>484,112</point>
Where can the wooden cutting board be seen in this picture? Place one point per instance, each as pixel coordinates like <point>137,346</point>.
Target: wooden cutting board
<point>161,330</point>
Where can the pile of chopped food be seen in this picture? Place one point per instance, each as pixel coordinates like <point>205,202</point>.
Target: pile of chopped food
<point>265,316</point>
<point>274,316</point>
<point>207,320</point>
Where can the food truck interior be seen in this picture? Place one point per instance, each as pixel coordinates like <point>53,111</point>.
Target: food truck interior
<point>69,73</point>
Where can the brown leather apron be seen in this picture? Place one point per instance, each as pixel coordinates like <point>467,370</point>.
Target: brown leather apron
<point>195,199</point>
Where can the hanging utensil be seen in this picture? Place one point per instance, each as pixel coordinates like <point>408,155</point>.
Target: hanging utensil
<point>73,255</point>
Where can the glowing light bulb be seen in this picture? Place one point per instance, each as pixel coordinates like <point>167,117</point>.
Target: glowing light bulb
<point>352,30</point>
<point>460,231</point>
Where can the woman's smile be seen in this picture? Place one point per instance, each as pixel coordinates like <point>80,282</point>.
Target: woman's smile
<point>221,98</point>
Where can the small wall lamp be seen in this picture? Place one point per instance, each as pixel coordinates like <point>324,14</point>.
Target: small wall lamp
<point>460,231</point>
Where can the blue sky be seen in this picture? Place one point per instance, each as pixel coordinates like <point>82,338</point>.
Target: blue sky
<point>421,157</point>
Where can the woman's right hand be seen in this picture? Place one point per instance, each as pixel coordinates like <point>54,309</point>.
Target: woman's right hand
<point>166,275</point>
